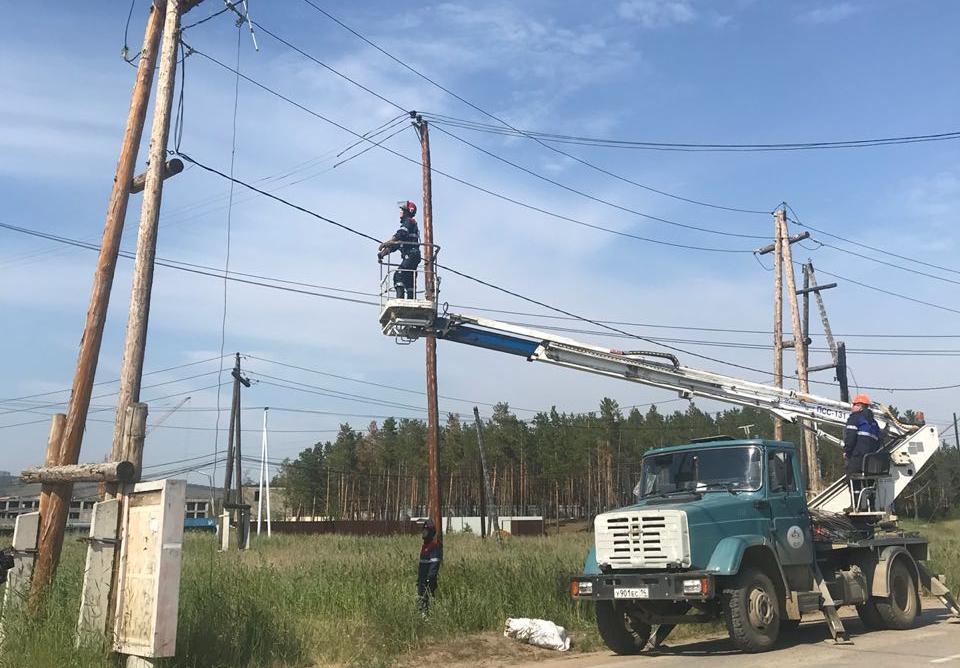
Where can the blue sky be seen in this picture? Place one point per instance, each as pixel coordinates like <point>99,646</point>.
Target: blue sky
<point>652,70</point>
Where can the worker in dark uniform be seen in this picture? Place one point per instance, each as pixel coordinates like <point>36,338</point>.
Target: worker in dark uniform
<point>6,563</point>
<point>407,241</point>
<point>862,435</point>
<point>431,556</point>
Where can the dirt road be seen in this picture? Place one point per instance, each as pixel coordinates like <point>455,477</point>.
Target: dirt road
<point>934,642</point>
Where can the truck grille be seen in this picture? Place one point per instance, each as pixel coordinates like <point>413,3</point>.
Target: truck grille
<point>642,539</point>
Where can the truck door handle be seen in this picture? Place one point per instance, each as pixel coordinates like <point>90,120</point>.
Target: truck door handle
<point>761,504</point>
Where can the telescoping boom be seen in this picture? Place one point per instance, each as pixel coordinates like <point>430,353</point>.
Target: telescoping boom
<point>909,446</point>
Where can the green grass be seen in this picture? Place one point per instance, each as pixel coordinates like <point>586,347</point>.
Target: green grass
<point>302,601</point>
<point>944,557</point>
<point>299,601</point>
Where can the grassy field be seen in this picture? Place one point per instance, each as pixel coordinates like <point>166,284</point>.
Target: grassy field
<point>302,601</point>
<point>322,600</point>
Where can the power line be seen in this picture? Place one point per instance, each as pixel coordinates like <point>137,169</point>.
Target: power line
<point>380,385</point>
<point>598,323</point>
<point>796,219</point>
<point>549,147</point>
<point>456,179</point>
<point>601,142</point>
<point>226,262</point>
<point>594,198</point>
<point>213,272</point>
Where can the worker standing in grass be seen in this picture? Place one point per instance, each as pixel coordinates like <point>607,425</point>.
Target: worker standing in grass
<point>407,241</point>
<point>431,556</point>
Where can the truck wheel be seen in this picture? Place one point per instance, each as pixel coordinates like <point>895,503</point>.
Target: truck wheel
<point>620,631</point>
<point>752,611</point>
<point>870,616</point>
<point>900,609</point>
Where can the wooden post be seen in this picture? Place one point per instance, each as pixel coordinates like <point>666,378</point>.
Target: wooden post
<point>799,346</point>
<point>131,370</point>
<point>52,534</point>
<point>25,531</point>
<point>100,472</point>
<point>494,522</point>
<point>778,316</point>
<point>434,504</point>
<point>98,572</point>
<point>58,502</point>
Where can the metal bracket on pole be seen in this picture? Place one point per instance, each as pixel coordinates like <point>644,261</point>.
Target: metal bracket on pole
<point>170,168</point>
<point>771,247</point>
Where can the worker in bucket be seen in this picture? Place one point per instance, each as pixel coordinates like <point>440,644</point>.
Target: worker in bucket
<point>431,556</point>
<point>861,436</point>
<point>407,241</point>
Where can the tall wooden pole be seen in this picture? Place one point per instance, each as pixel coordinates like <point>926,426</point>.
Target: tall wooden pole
<point>234,407</point>
<point>434,506</point>
<point>57,506</point>
<point>494,520</point>
<point>800,348</point>
<point>131,370</point>
<point>778,243</point>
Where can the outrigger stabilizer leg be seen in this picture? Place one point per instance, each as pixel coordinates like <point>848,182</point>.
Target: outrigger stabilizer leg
<point>936,587</point>
<point>830,609</point>
<point>663,630</point>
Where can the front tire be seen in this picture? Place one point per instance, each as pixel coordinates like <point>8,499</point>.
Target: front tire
<point>620,631</point>
<point>899,610</point>
<point>751,610</point>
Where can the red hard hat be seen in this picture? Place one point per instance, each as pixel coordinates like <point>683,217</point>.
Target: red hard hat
<point>408,207</point>
<point>862,399</point>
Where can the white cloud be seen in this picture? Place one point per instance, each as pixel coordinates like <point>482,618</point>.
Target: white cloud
<point>658,13</point>
<point>828,13</point>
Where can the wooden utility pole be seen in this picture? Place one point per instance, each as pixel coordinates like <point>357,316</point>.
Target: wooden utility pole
<point>57,503</point>
<point>434,506</point>
<point>485,487</point>
<point>233,479</point>
<point>134,347</point>
<point>800,348</point>
<point>777,320</point>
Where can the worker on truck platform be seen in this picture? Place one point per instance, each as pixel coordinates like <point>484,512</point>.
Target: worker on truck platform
<point>862,435</point>
<point>407,241</point>
<point>431,556</point>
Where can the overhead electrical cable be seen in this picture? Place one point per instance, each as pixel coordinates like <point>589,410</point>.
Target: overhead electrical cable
<point>601,142</point>
<point>456,179</point>
<point>551,148</point>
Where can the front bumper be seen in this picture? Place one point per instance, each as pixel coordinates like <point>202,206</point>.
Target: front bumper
<point>677,586</point>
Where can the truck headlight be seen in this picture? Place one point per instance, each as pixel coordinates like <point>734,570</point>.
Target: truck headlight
<point>581,588</point>
<point>698,586</point>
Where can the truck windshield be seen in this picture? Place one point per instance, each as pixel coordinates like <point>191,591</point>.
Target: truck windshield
<point>710,469</point>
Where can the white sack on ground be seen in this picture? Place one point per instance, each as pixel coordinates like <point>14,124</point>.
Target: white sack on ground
<point>537,632</point>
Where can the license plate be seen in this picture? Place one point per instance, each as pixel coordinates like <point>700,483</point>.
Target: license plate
<point>631,592</point>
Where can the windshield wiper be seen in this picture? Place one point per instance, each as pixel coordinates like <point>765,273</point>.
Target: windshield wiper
<point>661,495</point>
<point>729,486</point>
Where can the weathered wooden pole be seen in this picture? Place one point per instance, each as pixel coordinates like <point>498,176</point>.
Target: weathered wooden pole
<point>434,505</point>
<point>777,319</point>
<point>800,348</point>
<point>57,504</point>
<point>134,347</point>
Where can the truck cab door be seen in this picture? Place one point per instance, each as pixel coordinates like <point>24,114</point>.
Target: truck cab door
<point>790,520</point>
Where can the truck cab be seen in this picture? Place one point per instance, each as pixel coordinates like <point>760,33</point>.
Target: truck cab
<point>721,530</point>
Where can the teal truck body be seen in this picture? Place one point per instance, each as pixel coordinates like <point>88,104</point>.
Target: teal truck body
<point>721,530</point>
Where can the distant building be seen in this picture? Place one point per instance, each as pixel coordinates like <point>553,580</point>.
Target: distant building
<point>17,497</point>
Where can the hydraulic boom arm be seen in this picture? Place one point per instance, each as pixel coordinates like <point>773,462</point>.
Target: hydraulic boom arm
<point>910,447</point>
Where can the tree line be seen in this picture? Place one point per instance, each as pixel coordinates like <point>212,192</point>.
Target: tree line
<point>559,465</point>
